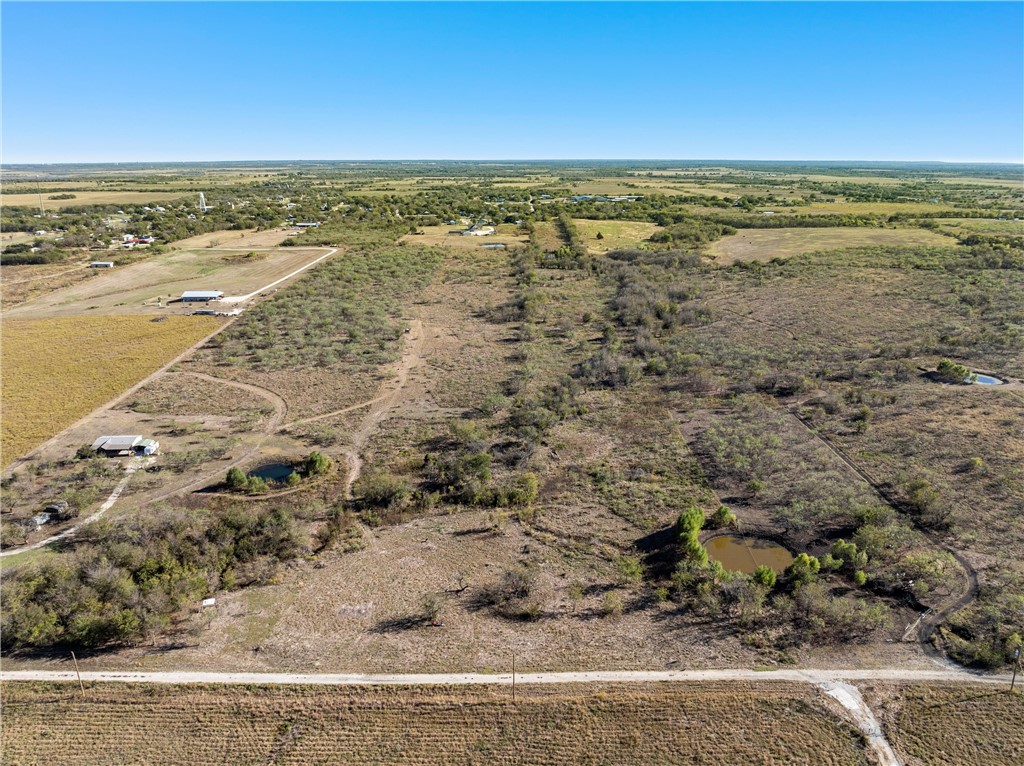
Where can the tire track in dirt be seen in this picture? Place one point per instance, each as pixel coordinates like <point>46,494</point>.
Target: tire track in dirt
<point>927,624</point>
<point>134,464</point>
<point>381,406</point>
<point>853,702</point>
<point>273,425</point>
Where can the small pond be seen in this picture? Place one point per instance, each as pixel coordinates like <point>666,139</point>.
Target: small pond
<point>987,380</point>
<point>745,554</point>
<point>273,471</point>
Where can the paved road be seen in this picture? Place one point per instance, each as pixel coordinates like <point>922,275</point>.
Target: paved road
<point>813,676</point>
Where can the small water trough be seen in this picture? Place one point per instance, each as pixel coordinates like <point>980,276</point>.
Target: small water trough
<point>745,554</point>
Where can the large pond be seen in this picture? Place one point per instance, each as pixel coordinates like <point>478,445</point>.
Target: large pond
<point>273,471</point>
<point>987,380</point>
<point>745,554</point>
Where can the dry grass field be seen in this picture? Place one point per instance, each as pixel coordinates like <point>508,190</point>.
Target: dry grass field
<point>731,725</point>
<point>57,370</point>
<point>135,288</point>
<point>87,197</point>
<point>938,725</point>
<point>246,238</point>
<point>765,244</point>
<point>19,284</point>
<point>615,234</point>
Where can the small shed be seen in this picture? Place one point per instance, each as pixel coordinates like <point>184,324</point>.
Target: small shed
<point>201,296</point>
<point>101,265</point>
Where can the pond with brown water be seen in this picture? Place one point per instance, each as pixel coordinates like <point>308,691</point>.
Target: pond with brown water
<point>745,554</point>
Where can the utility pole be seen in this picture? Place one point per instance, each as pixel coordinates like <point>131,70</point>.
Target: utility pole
<point>1016,665</point>
<point>513,676</point>
<point>78,673</point>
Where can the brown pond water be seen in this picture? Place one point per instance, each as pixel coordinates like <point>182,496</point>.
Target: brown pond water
<point>745,554</point>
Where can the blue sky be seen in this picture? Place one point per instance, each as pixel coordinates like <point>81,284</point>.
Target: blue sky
<point>89,82</point>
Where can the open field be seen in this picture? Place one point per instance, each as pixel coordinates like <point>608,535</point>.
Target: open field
<point>939,724</point>
<point>87,197</point>
<point>765,244</point>
<point>615,234</point>
<point>507,234</point>
<point>701,723</point>
<point>247,238</point>
<point>134,289</point>
<point>19,284</point>
<point>57,370</point>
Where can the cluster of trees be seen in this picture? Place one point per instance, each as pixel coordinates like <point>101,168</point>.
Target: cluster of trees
<point>128,581</point>
<point>315,464</point>
<point>795,603</point>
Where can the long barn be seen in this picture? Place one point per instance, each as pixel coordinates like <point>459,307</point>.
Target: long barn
<point>201,296</point>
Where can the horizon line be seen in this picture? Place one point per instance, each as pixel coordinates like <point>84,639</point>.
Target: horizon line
<point>1018,163</point>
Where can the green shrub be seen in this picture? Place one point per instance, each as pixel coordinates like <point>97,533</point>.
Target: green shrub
<point>803,570</point>
<point>765,576</point>
<point>951,372</point>
<point>237,480</point>
<point>722,517</point>
<point>316,464</point>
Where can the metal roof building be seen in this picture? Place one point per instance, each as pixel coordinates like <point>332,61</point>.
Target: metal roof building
<point>202,295</point>
<point>130,444</point>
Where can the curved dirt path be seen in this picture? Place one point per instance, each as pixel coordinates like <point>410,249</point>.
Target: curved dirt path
<point>272,426</point>
<point>391,394</point>
<point>925,625</point>
<point>134,464</point>
<point>852,700</point>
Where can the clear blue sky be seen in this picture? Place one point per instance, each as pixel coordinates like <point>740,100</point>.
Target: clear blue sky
<point>201,81</point>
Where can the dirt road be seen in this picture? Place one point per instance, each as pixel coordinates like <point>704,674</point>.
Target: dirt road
<point>243,298</point>
<point>811,676</point>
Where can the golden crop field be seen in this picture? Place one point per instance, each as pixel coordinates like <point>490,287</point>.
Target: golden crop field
<point>707,724</point>
<point>57,370</point>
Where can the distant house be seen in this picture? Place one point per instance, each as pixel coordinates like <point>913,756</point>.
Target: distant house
<point>114,446</point>
<point>310,225</point>
<point>201,296</point>
<point>101,265</point>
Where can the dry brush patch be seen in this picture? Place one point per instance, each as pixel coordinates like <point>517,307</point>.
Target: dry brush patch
<point>57,370</point>
<point>699,723</point>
